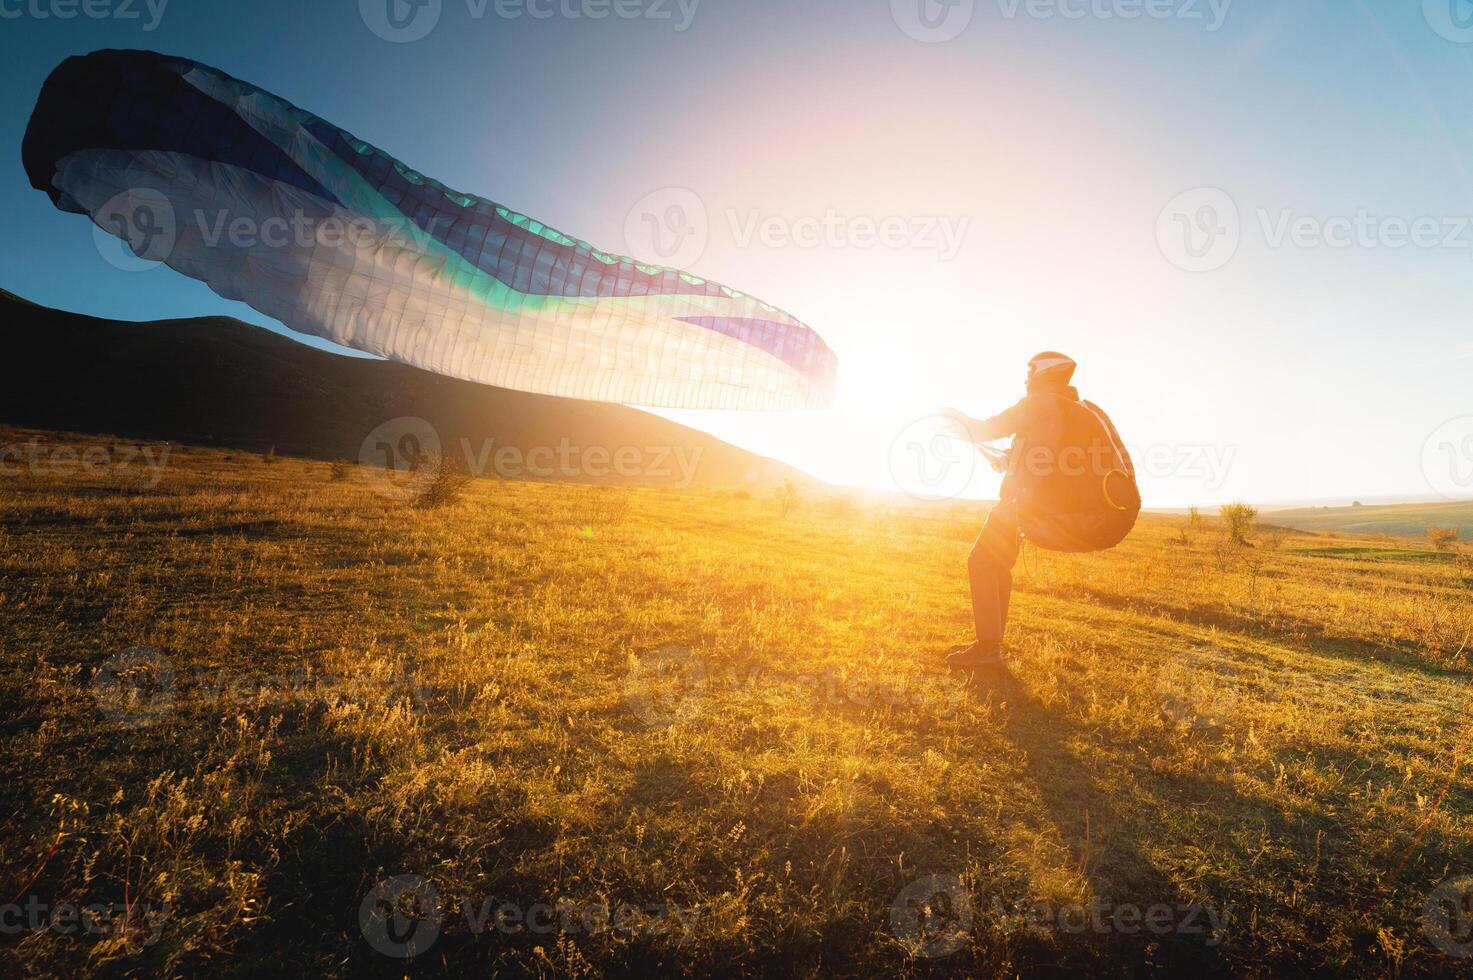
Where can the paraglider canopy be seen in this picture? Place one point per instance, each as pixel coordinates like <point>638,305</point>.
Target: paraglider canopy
<point>168,154</point>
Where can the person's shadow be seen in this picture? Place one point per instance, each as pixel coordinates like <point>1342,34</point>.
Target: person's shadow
<point>1105,844</point>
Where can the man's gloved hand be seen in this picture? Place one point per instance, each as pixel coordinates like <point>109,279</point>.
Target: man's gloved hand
<point>954,415</point>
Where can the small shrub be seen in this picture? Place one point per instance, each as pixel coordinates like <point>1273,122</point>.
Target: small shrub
<point>1194,518</point>
<point>339,470</point>
<point>448,480</point>
<point>1238,520</point>
<point>270,456</point>
<point>1443,538</point>
<point>789,496</point>
<point>1464,558</point>
<point>1225,555</point>
<point>743,495</point>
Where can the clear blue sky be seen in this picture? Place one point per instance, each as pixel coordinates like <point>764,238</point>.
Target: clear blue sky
<point>1054,142</point>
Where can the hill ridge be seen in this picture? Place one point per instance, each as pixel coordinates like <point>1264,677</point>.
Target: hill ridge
<point>219,381</point>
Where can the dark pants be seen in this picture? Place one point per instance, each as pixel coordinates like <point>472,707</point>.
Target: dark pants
<point>990,569</point>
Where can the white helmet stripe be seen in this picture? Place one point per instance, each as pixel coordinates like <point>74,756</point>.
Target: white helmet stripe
<point>1049,364</point>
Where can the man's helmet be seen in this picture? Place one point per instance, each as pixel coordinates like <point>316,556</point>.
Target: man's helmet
<point>1051,367</point>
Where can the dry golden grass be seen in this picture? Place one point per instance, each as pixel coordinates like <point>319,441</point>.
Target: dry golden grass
<point>729,720</point>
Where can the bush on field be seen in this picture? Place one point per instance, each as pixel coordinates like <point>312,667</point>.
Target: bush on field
<point>789,496</point>
<point>448,480</point>
<point>1443,538</point>
<point>1238,520</point>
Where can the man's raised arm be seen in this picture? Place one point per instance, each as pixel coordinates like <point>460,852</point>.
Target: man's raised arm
<point>989,430</point>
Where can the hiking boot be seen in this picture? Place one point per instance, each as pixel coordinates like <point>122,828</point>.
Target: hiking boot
<point>975,657</point>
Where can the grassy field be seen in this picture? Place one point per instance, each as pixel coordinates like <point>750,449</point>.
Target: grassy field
<point>1403,520</point>
<point>268,715</point>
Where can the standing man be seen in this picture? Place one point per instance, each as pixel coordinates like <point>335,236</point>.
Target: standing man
<point>1069,486</point>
